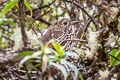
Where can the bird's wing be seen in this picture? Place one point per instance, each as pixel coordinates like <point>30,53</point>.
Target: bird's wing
<point>47,36</point>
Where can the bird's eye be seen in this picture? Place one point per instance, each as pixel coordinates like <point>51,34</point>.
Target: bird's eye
<point>65,23</point>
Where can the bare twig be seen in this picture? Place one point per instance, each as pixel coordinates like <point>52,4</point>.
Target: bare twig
<point>8,38</point>
<point>85,41</point>
<point>46,6</point>
<point>89,21</point>
<point>22,22</point>
<point>115,69</point>
<point>75,3</point>
<point>42,20</point>
<point>37,17</point>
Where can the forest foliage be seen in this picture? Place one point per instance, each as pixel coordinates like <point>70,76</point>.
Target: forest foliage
<point>23,23</point>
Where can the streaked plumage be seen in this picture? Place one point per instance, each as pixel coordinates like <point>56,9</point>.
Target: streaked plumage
<point>63,32</point>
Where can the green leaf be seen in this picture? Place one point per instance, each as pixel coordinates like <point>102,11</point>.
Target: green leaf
<point>118,43</point>
<point>25,53</point>
<point>61,68</point>
<point>59,49</point>
<point>42,26</point>
<point>68,53</point>
<point>28,6</point>
<point>94,0</point>
<point>73,67</point>
<point>24,60</point>
<point>46,2</point>
<point>48,50</point>
<point>116,54</point>
<point>56,46</point>
<point>80,75</point>
<point>6,21</point>
<point>0,38</point>
<point>34,55</point>
<point>53,58</point>
<point>66,66</point>
<point>53,51</point>
<point>8,7</point>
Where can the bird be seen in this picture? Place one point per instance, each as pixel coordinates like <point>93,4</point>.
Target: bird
<point>63,32</point>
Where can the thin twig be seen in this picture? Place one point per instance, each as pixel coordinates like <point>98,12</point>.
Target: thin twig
<point>114,57</point>
<point>42,20</point>
<point>46,6</point>
<point>115,69</point>
<point>89,21</point>
<point>75,3</point>
<point>8,38</point>
<point>75,40</point>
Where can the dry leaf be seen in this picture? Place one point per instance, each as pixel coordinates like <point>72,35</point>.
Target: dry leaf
<point>44,63</point>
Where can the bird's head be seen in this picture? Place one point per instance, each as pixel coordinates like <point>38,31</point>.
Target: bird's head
<point>64,22</point>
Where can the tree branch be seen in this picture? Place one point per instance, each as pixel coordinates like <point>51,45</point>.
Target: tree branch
<point>22,22</point>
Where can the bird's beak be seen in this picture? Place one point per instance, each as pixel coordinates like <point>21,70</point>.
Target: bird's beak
<point>75,22</point>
